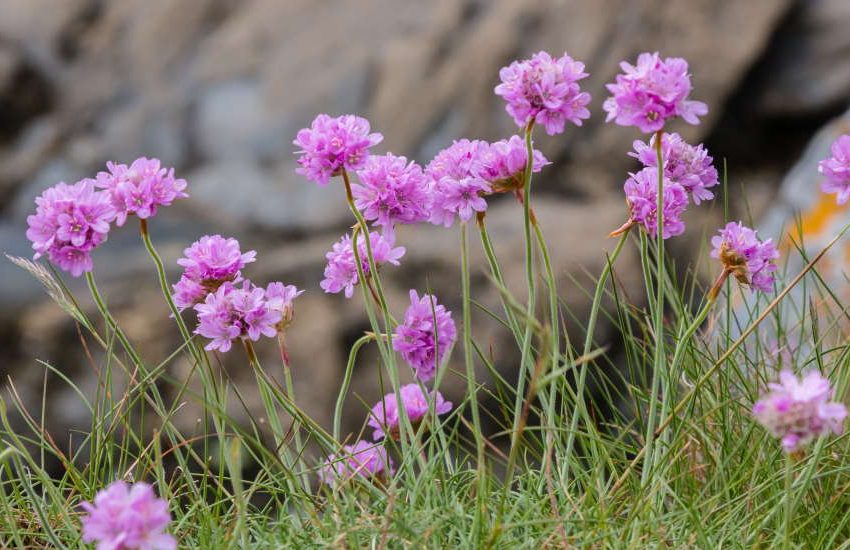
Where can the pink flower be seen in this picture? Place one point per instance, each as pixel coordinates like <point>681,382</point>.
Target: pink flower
<point>210,262</point>
<point>364,459</point>
<point>502,164</point>
<point>233,312</point>
<point>125,517</point>
<point>798,411</point>
<point>391,191</point>
<point>385,418</point>
<point>331,145</point>
<point>456,184</point>
<point>425,336</point>
<point>652,91</point>
<point>341,270</point>
<point>751,261</point>
<point>837,170</point>
<point>642,194</point>
<point>279,297</point>
<point>140,188</point>
<point>689,166</point>
<point>69,222</point>
<point>544,90</point>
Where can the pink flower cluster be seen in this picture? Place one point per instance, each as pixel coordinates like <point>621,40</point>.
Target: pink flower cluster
<point>652,91</point>
<point>503,163</point>
<point>391,191</point>
<point>457,187</point>
<point>544,90</point>
<point>210,262</point>
<point>425,336</point>
<point>127,517</point>
<point>642,195</point>
<point>341,270</point>
<point>836,170</point>
<point>140,188</point>
<point>385,419</point>
<point>744,256</point>
<point>331,145</point>
<point>367,460</point>
<point>797,411</point>
<point>689,166</point>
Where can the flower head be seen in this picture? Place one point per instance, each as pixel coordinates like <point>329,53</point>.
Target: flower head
<point>234,312</point>
<point>502,163</point>
<point>456,184</point>
<point>798,411</point>
<point>689,166</point>
<point>331,145</point>
<point>364,459</point>
<point>69,222</point>
<point>210,262</point>
<point>125,517</point>
<point>837,170</point>
<point>341,270</point>
<point>140,188</point>
<point>751,261</point>
<point>392,190</point>
<point>425,336</point>
<point>279,297</point>
<point>385,418</point>
<point>545,90</point>
<point>653,90</point>
<point>642,195</point>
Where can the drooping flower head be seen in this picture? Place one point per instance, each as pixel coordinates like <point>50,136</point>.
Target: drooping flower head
<point>127,517</point>
<point>69,222</point>
<point>364,459</point>
<point>425,336</point>
<point>545,90</point>
<point>236,312</point>
<point>456,185</point>
<point>331,144</point>
<point>653,90</point>
<point>797,411</point>
<point>689,166</point>
<point>210,262</point>
<point>279,297</point>
<point>502,164</point>
<point>341,270</point>
<point>836,169</point>
<point>385,414</point>
<point>642,195</point>
<point>750,260</point>
<point>392,190</point>
<point>140,188</point>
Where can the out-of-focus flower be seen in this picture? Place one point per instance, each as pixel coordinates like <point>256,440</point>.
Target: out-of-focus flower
<point>279,297</point>
<point>425,336</point>
<point>653,90</point>
<point>797,411</point>
<point>836,169</point>
<point>750,260</point>
<point>502,164</point>
<point>688,165</point>
<point>546,90</point>
<point>69,222</point>
<point>642,195</point>
<point>140,188</point>
<point>127,517</point>
<point>364,459</point>
<point>234,312</point>
<point>385,414</point>
<point>457,187</point>
<point>331,145</point>
<point>392,190</point>
<point>341,270</point>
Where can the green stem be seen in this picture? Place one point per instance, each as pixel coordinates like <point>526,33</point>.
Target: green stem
<point>789,502</point>
<point>110,320</point>
<point>346,382</point>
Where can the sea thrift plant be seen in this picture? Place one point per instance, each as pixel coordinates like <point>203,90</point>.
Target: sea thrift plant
<point>367,460</point>
<point>836,170</point>
<point>281,297</point>
<point>642,194</point>
<point>750,260</point>
<point>384,417</point>
<point>69,222</point>
<point>502,164</point>
<point>688,165</point>
<point>210,262</point>
<point>141,188</point>
<point>341,269</point>
<point>237,312</point>
<point>331,145</point>
<point>799,410</point>
<point>652,91</point>
<point>544,90</point>
<point>425,336</point>
<point>392,190</point>
<point>127,517</point>
<point>457,187</point>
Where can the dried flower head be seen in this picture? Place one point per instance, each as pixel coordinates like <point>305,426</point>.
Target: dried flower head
<point>331,145</point>
<point>836,169</point>
<point>140,188</point>
<point>425,336</point>
<point>385,414</point>
<point>689,166</point>
<point>341,269</point>
<point>750,260</point>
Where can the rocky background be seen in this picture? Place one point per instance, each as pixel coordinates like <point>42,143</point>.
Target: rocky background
<point>218,89</point>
